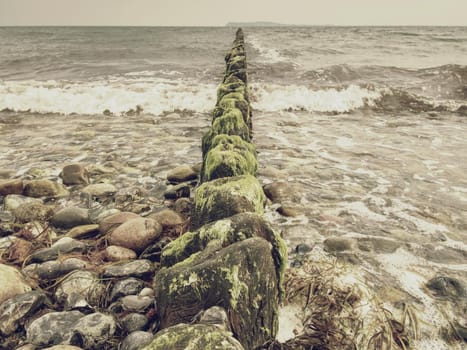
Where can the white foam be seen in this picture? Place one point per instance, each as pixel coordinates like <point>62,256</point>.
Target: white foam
<point>272,97</point>
<point>267,54</point>
<point>289,320</point>
<point>117,94</point>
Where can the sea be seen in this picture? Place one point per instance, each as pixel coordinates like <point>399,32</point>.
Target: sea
<point>367,126</point>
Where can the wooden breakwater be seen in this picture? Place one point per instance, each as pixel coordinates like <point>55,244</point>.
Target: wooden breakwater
<point>220,283</point>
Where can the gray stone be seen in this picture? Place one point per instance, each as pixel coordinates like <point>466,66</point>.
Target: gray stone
<point>13,201</point>
<point>136,234</point>
<point>100,190</point>
<point>138,268</point>
<point>74,174</point>
<point>16,309</point>
<point>71,217</point>
<point>136,340</point>
<point>136,303</point>
<point>64,245</point>
<point>129,286</point>
<point>216,315</point>
<point>54,269</point>
<point>80,289</point>
<point>134,322</point>
<point>93,331</point>
<point>52,328</point>
<point>181,174</point>
<point>13,283</point>
<point>44,188</point>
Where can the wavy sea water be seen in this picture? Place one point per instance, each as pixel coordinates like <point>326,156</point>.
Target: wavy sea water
<point>367,125</point>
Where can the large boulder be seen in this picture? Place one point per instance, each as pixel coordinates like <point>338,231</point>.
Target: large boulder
<point>227,231</point>
<point>74,174</point>
<point>44,188</point>
<point>12,283</point>
<point>136,234</point>
<point>229,156</point>
<point>193,337</point>
<point>241,278</point>
<point>221,198</point>
<point>230,123</point>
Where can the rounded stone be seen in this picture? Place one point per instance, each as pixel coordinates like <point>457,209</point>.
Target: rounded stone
<point>14,186</point>
<point>94,330</point>
<point>136,234</point>
<point>71,217</point>
<point>136,340</point>
<point>167,218</point>
<point>134,322</point>
<point>339,244</point>
<point>63,347</point>
<point>100,190</point>
<point>13,201</point>
<point>44,188</point>
<point>129,286</point>
<point>136,268</point>
<point>116,253</point>
<point>136,303</point>
<point>80,289</point>
<point>181,174</point>
<point>13,283</point>
<point>111,222</point>
<point>74,174</point>
<point>28,212</point>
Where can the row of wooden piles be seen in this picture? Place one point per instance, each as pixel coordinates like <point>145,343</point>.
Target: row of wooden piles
<point>220,283</point>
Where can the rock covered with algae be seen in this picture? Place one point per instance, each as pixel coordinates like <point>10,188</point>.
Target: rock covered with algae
<point>221,198</point>
<point>229,156</point>
<point>241,278</point>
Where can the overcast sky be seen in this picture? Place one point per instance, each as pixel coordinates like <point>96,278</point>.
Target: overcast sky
<point>219,12</point>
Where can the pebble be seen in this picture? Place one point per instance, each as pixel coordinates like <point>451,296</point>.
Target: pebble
<point>80,289</point>
<point>136,340</point>
<point>70,217</point>
<point>28,212</point>
<point>134,322</point>
<point>13,283</point>
<point>84,231</point>
<point>53,269</point>
<point>14,186</point>
<point>136,303</point>
<point>44,188</point>
<point>136,234</point>
<point>178,191</point>
<point>16,309</point>
<point>339,244</point>
<point>116,253</point>
<point>111,222</point>
<point>62,246</point>
<point>181,174</point>
<point>94,330</point>
<point>13,201</point>
<point>445,286</point>
<point>137,268</point>
<point>168,218</point>
<point>74,174</point>
<point>129,286</point>
<point>100,190</point>
<point>52,328</point>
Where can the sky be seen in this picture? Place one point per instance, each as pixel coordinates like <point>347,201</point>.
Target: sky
<point>219,12</point>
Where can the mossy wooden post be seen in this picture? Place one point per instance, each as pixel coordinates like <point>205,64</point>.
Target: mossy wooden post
<point>231,258</point>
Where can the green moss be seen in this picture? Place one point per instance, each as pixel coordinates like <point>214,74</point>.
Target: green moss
<point>237,286</point>
<point>235,87</point>
<point>236,63</point>
<point>221,198</point>
<point>233,100</point>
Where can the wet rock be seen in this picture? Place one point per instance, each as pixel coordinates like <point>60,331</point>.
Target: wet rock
<point>153,252</point>
<point>288,211</point>
<point>63,347</point>
<point>303,248</point>
<point>179,191</point>
<point>64,245</point>
<point>54,269</point>
<point>215,316</point>
<point>280,192</point>
<point>137,268</point>
<point>111,222</point>
<point>116,253</point>
<point>182,173</point>
<point>13,283</point>
<point>183,206</point>
<point>221,198</point>
<point>28,212</point>
<point>70,217</point>
<point>136,340</point>
<point>93,331</point>
<point>136,303</point>
<point>136,234</point>
<point>74,174</point>
<point>13,201</point>
<point>44,188</point>
<point>195,337</point>
<point>83,231</point>
<point>229,156</point>
<point>52,328</point>
<point>14,311</point>
<point>134,322</point>
<point>339,244</point>
<point>98,216</point>
<point>8,187</point>
<point>129,286</point>
<point>241,278</point>
<point>445,286</point>
<point>80,289</point>
<point>378,245</point>
<point>167,218</point>
<point>100,190</point>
